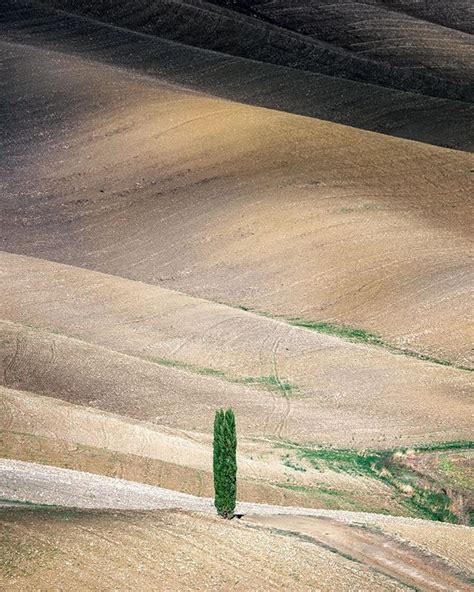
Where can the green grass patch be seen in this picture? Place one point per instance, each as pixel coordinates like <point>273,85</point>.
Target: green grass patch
<point>289,462</point>
<point>205,371</point>
<point>271,383</point>
<point>442,446</point>
<point>333,499</point>
<point>423,496</point>
<point>455,474</point>
<point>363,336</point>
<point>343,331</point>
<point>355,334</point>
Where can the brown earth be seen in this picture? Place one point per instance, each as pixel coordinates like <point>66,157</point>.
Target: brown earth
<point>138,217</point>
<point>371,546</point>
<point>244,205</point>
<point>401,549</point>
<point>50,432</point>
<point>166,551</point>
<point>323,388</point>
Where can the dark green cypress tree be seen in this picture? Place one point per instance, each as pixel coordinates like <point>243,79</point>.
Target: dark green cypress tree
<point>225,463</point>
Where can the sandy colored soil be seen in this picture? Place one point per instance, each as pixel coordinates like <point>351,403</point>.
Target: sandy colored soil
<point>372,546</point>
<point>161,232</point>
<point>42,484</point>
<point>48,431</point>
<point>355,537</point>
<point>458,554</point>
<point>168,551</point>
<point>342,393</point>
<point>261,217</point>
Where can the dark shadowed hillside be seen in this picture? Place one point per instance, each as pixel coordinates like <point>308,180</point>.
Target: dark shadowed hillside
<point>377,108</point>
<point>348,40</point>
<point>379,32</point>
<point>455,14</point>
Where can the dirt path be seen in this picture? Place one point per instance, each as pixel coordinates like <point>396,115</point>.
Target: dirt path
<point>43,484</point>
<point>373,548</point>
<point>355,536</point>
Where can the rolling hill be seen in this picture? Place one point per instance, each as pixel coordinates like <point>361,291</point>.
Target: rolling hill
<point>351,40</point>
<point>258,205</point>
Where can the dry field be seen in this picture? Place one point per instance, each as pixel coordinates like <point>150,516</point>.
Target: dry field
<point>282,380</point>
<point>173,550</point>
<point>377,31</point>
<point>351,40</point>
<point>274,548</point>
<point>381,109</point>
<point>259,218</point>
<point>182,230</point>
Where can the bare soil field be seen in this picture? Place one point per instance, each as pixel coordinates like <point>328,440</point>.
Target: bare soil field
<point>457,14</point>
<point>167,551</point>
<point>280,226</point>
<point>316,387</point>
<point>410,115</point>
<point>365,542</point>
<point>48,431</point>
<point>374,31</point>
<point>128,190</point>
<point>372,545</point>
<point>355,41</point>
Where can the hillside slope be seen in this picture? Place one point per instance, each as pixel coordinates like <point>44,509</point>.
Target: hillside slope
<point>110,549</point>
<point>319,385</point>
<point>404,114</point>
<point>238,204</point>
<point>438,64</point>
<point>456,14</point>
<point>49,431</point>
<point>287,234</point>
<point>380,32</point>
<point>379,552</point>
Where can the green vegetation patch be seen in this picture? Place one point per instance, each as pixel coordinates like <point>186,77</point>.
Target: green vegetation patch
<point>448,446</point>
<point>335,499</point>
<point>354,334</point>
<point>455,474</point>
<point>289,462</point>
<point>420,494</point>
<point>363,336</point>
<point>343,331</point>
<point>190,367</point>
<point>271,383</point>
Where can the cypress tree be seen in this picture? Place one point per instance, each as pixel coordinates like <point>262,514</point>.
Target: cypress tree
<point>225,463</point>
